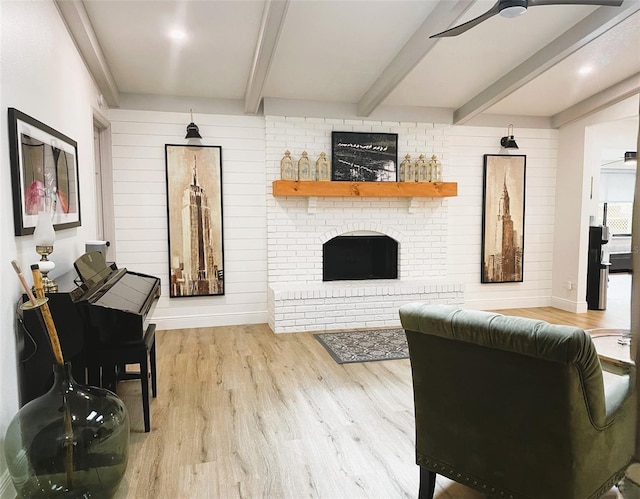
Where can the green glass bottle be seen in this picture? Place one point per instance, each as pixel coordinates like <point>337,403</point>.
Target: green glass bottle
<point>73,441</point>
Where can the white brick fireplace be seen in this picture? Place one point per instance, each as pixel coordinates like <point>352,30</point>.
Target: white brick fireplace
<point>298,300</point>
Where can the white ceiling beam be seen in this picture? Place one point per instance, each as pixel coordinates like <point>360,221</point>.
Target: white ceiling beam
<point>273,17</point>
<point>572,40</point>
<point>608,97</point>
<point>76,19</point>
<point>442,17</point>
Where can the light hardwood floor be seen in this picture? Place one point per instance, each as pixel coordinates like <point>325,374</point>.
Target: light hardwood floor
<point>244,413</point>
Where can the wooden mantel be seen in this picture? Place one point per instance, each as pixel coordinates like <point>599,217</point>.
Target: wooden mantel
<point>364,189</point>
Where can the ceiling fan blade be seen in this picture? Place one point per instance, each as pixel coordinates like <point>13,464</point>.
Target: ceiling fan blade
<point>607,3</point>
<point>457,30</point>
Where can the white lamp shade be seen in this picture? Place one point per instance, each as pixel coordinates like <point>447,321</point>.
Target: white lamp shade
<point>44,234</point>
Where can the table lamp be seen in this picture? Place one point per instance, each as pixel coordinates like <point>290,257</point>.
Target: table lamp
<point>44,236</point>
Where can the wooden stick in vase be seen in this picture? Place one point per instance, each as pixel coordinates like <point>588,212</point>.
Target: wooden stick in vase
<point>44,309</point>
<point>26,287</point>
<point>38,286</point>
<point>46,315</point>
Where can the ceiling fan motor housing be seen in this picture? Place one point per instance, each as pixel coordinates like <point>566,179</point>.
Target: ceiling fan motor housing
<point>513,8</point>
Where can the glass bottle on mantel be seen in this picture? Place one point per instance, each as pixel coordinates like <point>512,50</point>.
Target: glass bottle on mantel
<point>73,441</point>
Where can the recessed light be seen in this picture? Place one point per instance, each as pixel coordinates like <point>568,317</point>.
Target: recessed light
<point>585,70</point>
<point>177,34</point>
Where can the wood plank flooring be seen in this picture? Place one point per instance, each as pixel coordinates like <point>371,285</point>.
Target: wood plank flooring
<point>244,413</point>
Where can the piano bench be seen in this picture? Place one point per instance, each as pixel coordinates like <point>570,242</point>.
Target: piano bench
<point>114,358</point>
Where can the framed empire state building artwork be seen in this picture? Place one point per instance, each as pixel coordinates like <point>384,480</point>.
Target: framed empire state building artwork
<point>194,210</point>
<point>503,218</point>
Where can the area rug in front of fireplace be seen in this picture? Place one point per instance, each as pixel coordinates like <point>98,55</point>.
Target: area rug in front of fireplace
<point>365,346</point>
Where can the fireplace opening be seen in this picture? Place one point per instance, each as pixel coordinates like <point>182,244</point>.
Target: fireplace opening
<point>359,257</point>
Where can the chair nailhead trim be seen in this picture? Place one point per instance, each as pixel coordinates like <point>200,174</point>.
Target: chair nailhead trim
<point>440,468</point>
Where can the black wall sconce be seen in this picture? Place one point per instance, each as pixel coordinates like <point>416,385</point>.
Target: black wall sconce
<point>631,157</point>
<point>192,129</point>
<point>509,142</point>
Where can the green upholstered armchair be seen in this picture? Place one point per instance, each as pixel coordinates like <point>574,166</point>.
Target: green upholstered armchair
<point>515,407</point>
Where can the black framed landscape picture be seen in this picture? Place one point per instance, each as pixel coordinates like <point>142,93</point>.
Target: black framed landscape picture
<point>194,209</point>
<point>503,218</point>
<point>44,174</point>
<point>364,157</point>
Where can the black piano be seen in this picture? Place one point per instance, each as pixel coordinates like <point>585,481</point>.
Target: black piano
<point>97,306</point>
<point>116,302</point>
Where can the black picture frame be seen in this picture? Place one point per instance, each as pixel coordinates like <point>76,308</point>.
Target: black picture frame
<point>503,206</point>
<point>44,169</point>
<point>364,157</point>
<point>194,192</point>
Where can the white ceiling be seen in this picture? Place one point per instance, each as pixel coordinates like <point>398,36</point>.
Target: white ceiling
<point>364,53</point>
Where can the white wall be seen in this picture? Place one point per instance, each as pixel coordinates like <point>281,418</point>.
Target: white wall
<point>139,183</point>
<point>248,148</point>
<point>44,77</point>
<point>296,235</point>
<point>468,144</point>
<point>461,149</point>
<point>579,153</point>
<point>298,227</point>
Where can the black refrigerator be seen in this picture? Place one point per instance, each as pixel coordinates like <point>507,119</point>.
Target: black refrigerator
<point>597,268</point>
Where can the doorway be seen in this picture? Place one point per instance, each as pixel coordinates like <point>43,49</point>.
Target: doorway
<point>103,184</point>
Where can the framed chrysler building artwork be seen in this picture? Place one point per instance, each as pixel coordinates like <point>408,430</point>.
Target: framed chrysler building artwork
<point>194,210</point>
<point>503,218</point>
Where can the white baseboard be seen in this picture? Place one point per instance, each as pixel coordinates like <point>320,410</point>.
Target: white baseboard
<point>528,302</point>
<point>209,320</point>
<point>6,486</point>
<point>212,320</point>
<point>569,305</point>
<point>505,303</point>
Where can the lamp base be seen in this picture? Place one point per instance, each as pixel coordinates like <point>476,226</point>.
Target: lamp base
<point>45,265</point>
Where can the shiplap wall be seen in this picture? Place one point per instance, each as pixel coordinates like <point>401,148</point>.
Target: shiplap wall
<point>140,205</point>
<point>139,186</point>
<point>467,146</point>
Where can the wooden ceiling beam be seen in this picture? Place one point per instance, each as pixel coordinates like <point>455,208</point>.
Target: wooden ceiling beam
<point>443,16</point>
<point>608,97</point>
<point>76,19</point>
<point>273,17</point>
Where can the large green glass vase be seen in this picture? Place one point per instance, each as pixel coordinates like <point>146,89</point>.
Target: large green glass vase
<point>72,441</point>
